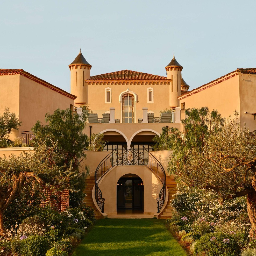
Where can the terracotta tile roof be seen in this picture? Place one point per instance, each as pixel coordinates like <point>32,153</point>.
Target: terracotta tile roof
<point>8,72</point>
<point>218,80</point>
<point>127,75</point>
<point>247,70</point>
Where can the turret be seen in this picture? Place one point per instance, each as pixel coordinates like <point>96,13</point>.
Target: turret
<point>173,70</point>
<point>79,71</point>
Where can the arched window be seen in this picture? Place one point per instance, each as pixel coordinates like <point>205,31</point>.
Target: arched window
<point>128,108</point>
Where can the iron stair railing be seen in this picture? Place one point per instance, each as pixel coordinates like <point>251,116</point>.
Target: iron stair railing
<point>104,166</point>
<point>129,157</point>
<point>157,168</point>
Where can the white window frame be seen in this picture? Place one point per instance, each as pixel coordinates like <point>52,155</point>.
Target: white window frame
<point>148,91</point>
<point>106,95</point>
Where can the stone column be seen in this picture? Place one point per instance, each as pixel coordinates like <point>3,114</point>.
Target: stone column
<point>112,116</point>
<point>145,115</point>
<point>177,115</point>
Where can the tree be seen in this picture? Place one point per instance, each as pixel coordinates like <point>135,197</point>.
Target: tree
<point>66,129</point>
<point>8,122</point>
<point>97,142</point>
<point>36,168</point>
<point>59,148</point>
<point>217,156</point>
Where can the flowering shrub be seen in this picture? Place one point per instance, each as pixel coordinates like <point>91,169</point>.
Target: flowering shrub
<point>213,244</point>
<point>198,213</point>
<point>33,245</point>
<point>49,232</point>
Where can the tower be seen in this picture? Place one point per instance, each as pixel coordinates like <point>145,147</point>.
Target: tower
<point>173,70</point>
<point>79,71</point>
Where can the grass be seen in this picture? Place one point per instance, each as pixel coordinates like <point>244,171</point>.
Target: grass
<point>129,237</point>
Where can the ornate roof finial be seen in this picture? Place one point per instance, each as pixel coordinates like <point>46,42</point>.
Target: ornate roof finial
<point>80,50</point>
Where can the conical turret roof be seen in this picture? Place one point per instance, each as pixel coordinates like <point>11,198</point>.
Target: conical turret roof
<point>80,60</point>
<point>184,83</point>
<point>174,62</point>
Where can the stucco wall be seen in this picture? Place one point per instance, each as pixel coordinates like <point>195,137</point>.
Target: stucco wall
<point>248,98</point>
<point>92,160</point>
<point>9,95</point>
<point>36,100</point>
<point>7,152</point>
<point>223,96</point>
<point>152,187</point>
<point>163,157</point>
<point>128,131</point>
<point>96,98</point>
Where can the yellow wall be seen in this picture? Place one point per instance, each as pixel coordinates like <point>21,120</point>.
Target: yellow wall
<point>16,151</point>
<point>92,160</point>
<point>96,98</point>
<point>223,96</point>
<point>9,96</point>
<point>128,131</point>
<point>36,100</point>
<point>248,99</point>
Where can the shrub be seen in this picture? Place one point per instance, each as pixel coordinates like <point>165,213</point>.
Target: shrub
<point>34,245</point>
<point>64,245</point>
<point>56,252</point>
<point>201,227</point>
<point>53,219</point>
<point>31,226</point>
<point>249,252</point>
<point>214,244</point>
<point>5,248</point>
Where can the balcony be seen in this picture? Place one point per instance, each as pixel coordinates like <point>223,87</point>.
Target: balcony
<point>148,117</point>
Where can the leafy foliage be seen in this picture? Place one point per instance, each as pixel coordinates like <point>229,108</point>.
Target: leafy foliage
<point>35,168</point>
<point>216,155</point>
<point>97,142</point>
<point>212,244</point>
<point>65,129</point>
<point>8,122</point>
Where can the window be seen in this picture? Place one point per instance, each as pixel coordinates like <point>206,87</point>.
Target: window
<point>108,95</point>
<point>150,96</point>
<point>182,106</point>
<point>128,108</point>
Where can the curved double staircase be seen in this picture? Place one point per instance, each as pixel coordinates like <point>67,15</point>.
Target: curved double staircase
<point>94,197</point>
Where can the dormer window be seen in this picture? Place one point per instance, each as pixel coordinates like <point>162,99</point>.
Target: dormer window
<point>107,95</point>
<point>150,95</point>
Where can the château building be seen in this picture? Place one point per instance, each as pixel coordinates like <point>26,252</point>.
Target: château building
<point>129,108</point>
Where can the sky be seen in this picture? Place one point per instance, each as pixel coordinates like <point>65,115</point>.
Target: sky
<point>208,38</point>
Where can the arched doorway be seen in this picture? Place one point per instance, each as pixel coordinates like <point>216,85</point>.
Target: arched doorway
<point>130,194</point>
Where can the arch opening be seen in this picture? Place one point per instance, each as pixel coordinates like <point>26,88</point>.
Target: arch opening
<point>143,140</point>
<point>130,194</point>
<point>114,140</point>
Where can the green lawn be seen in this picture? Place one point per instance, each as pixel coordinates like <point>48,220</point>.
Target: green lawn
<point>129,237</point>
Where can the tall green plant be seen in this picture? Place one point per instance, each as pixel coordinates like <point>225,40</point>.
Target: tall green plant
<point>218,156</point>
<point>8,122</point>
<point>66,129</point>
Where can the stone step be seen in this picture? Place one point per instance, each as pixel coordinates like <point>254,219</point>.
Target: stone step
<point>168,210</point>
<point>164,217</point>
<point>166,214</point>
